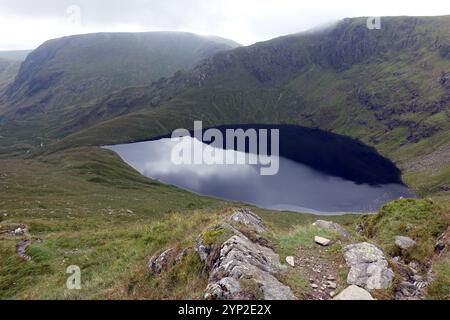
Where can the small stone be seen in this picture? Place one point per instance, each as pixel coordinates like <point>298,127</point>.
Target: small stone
<point>18,231</point>
<point>360,229</point>
<point>354,293</point>
<point>420,285</point>
<point>331,278</point>
<point>290,261</point>
<point>405,292</point>
<point>332,294</point>
<point>404,243</point>
<point>129,211</point>
<point>414,265</point>
<point>314,286</point>
<point>322,241</point>
<point>331,285</point>
<point>417,278</point>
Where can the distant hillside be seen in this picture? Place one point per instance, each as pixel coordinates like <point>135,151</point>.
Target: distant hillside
<point>389,88</point>
<point>16,55</point>
<point>73,70</point>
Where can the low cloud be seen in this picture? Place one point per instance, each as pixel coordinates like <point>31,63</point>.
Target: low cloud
<point>29,23</point>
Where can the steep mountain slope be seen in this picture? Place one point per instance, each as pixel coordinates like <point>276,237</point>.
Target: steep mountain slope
<point>8,70</point>
<point>389,87</point>
<point>9,66</point>
<point>63,74</point>
<point>75,69</point>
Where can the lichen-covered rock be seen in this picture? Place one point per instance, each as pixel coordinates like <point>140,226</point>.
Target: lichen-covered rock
<point>343,233</point>
<point>368,267</point>
<point>237,261</point>
<point>160,262</point>
<point>404,243</point>
<point>354,293</point>
<point>225,289</point>
<point>249,219</point>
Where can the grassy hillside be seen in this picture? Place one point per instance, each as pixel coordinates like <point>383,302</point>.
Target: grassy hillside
<point>91,210</point>
<point>85,207</point>
<point>64,74</point>
<point>75,69</point>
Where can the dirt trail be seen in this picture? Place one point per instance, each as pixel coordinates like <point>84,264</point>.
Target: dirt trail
<point>321,272</point>
<point>22,231</point>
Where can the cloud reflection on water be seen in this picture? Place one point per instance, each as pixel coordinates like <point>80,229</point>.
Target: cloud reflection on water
<point>296,187</point>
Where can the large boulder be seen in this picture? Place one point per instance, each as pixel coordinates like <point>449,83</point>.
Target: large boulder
<point>368,267</point>
<point>343,233</point>
<point>240,268</point>
<point>354,293</point>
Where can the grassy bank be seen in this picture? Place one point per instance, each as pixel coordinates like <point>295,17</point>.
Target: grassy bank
<point>92,210</point>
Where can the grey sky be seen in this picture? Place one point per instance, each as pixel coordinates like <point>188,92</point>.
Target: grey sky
<point>26,24</point>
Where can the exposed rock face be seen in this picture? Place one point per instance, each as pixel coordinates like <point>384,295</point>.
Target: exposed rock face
<point>160,263</point>
<point>343,233</point>
<point>240,268</point>
<point>368,267</point>
<point>404,243</point>
<point>249,219</point>
<point>354,293</point>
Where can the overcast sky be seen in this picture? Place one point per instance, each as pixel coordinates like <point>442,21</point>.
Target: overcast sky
<point>25,24</point>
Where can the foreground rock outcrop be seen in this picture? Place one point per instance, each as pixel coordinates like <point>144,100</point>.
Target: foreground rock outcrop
<point>368,267</point>
<point>241,266</point>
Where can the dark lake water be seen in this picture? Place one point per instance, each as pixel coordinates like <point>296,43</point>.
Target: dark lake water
<point>319,172</point>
